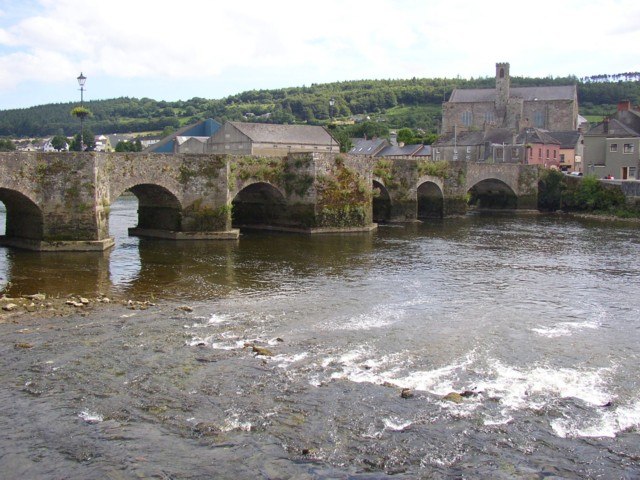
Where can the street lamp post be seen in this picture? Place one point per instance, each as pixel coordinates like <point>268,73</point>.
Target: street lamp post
<point>81,81</point>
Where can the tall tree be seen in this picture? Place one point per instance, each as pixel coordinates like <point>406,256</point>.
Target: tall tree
<point>6,145</point>
<point>59,142</point>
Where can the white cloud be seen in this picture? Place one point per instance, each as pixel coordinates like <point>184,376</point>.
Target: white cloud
<point>334,40</point>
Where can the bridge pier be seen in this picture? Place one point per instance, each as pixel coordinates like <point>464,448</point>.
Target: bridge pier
<point>61,201</point>
<point>422,189</point>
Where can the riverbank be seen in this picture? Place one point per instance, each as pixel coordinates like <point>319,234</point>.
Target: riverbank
<point>39,305</point>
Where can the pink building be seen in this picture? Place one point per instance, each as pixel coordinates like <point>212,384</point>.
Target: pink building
<point>541,148</point>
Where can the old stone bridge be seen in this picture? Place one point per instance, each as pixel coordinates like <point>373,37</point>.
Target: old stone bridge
<point>61,201</point>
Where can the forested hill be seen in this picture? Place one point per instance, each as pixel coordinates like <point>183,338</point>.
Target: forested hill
<point>414,103</point>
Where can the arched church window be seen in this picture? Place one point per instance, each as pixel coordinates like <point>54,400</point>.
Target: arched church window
<point>538,119</point>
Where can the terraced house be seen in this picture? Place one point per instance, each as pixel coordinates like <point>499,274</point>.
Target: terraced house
<point>612,148</point>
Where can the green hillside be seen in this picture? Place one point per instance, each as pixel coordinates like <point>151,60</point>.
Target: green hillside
<point>413,103</point>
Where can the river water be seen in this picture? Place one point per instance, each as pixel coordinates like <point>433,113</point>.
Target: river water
<point>533,319</point>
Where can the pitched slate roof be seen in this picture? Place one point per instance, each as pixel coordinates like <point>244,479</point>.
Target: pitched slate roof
<point>473,95</point>
<point>285,134</point>
<point>398,151</point>
<point>535,135</point>
<point>568,139</point>
<point>616,129</point>
<point>362,146</point>
<point>425,151</point>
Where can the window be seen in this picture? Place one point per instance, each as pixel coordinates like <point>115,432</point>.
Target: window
<point>489,117</point>
<point>468,149</point>
<point>555,154</point>
<point>613,147</point>
<point>547,153</point>
<point>538,119</point>
<point>562,158</point>
<point>515,152</point>
<point>539,152</point>
<point>466,118</point>
<point>632,172</point>
<point>628,148</point>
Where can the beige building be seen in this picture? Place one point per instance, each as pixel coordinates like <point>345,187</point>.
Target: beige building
<point>240,138</point>
<point>553,108</point>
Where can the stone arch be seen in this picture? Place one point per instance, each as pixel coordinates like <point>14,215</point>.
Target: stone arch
<point>258,205</point>
<point>381,202</point>
<point>492,193</point>
<point>25,219</point>
<point>158,207</point>
<point>430,198</point>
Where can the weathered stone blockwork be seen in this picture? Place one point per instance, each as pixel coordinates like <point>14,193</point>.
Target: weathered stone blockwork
<point>61,201</point>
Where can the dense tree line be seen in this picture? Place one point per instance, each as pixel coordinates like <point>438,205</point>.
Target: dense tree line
<point>413,103</point>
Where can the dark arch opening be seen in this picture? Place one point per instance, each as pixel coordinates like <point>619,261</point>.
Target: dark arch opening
<point>381,203</point>
<point>258,205</point>
<point>430,201</point>
<point>158,208</point>
<point>492,194</point>
<point>24,219</point>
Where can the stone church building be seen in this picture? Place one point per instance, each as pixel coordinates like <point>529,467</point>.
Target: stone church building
<point>553,108</point>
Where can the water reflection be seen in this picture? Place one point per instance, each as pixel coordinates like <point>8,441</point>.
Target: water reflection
<point>162,268</point>
<point>259,262</point>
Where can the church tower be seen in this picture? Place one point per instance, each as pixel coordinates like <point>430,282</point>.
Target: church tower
<point>502,88</point>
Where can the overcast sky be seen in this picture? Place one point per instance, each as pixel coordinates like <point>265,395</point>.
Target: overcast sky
<point>204,48</point>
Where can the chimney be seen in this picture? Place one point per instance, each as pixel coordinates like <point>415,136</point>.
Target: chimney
<point>605,125</point>
<point>624,105</point>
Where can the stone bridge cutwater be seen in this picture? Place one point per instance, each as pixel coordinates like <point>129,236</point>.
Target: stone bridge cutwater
<point>61,201</point>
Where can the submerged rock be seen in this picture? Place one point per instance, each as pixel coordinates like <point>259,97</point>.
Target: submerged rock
<point>185,308</point>
<point>469,393</point>
<point>206,428</point>
<point>38,297</point>
<point>261,351</point>
<point>406,393</point>
<point>453,397</point>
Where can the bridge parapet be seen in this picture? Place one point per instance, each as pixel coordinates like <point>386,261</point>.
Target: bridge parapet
<point>61,201</point>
